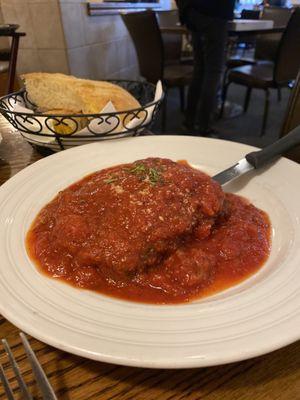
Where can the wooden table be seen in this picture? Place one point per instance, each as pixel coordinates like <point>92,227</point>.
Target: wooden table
<point>182,30</point>
<point>275,376</point>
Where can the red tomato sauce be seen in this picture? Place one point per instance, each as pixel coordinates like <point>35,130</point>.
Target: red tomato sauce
<point>152,231</point>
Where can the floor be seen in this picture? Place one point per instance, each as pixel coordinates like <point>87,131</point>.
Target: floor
<point>244,128</point>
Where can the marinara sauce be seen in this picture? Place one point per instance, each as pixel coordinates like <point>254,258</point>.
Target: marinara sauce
<point>153,231</point>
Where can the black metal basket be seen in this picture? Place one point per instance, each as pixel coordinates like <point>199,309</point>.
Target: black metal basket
<point>62,131</point>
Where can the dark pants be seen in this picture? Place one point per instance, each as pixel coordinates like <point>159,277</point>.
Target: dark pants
<point>209,36</point>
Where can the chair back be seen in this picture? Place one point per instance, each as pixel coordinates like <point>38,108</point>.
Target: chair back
<point>287,63</point>
<point>172,42</point>
<point>292,118</point>
<point>147,39</point>
<point>267,44</point>
<point>167,18</point>
<point>250,14</point>
<point>279,15</point>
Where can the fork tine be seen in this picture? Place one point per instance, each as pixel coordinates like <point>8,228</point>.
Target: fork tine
<point>40,376</point>
<point>22,384</point>
<point>7,388</point>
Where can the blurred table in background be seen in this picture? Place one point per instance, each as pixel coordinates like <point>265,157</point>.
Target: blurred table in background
<point>233,29</point>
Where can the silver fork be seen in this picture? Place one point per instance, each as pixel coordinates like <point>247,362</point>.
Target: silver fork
<point>38,372</point>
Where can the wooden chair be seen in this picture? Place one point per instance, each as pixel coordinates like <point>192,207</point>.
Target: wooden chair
<point>250,14</point>
<point>172,43</point>
<point>8,57</point>
<point>292,119</point>
<point>275,75</point>
<point>152,56</point>
<point>266,45</point>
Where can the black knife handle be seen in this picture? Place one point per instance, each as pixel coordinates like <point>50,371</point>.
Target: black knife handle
<point>259,158</point>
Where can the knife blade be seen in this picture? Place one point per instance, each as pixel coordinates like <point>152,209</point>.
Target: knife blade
<point>238,169</point>
<point>257,159</point>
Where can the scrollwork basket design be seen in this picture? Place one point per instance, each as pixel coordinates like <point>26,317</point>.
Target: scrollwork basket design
<point>62,131</point>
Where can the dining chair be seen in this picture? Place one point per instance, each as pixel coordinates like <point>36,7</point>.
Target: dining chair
<point>4,66</point>
<point>153,59</point>
<point>266,45</point>
<point>292,118</point>
<point>177,47</point>
<point>8,57</point>
<point>266,76</point>
<point>172,43</point>
<point>250,14</point>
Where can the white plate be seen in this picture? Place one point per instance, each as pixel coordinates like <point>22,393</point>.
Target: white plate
<point>255,317</point>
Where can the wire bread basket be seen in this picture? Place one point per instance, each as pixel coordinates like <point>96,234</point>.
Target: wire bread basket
<point>62,131</point>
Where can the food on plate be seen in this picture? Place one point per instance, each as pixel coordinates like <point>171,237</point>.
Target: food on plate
<point>154,231</point>
<point>58,91</point>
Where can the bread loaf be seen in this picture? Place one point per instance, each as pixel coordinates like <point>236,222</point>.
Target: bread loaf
<point>58,91</point>
<point>64,125</point>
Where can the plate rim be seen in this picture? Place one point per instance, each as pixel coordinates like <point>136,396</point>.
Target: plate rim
<point>187,363</point>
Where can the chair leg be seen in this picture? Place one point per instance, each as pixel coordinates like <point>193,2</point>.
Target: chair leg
<point>247,99</point>
<point>164,113</point>
<point>266,112</point>
<point>12,64</point>
<point>224,97</point>
<point>279,94</point>
<point>182,98</point>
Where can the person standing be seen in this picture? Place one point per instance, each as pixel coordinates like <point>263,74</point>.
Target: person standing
<point>207,22</point>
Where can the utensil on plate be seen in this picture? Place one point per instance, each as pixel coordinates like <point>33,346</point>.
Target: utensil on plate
<point>40,376</point>
<point>257,159</point>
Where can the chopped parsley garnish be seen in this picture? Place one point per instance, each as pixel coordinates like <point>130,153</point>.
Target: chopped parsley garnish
<point>111,179</point>
<point>153,175</point>
<point>138,169</point>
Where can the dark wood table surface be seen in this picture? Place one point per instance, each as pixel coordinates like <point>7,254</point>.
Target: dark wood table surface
<point>274,376</point>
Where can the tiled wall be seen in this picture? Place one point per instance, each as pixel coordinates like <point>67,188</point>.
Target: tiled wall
<point>98,46</point>
<point>61,37</point>
<point>43,48</point>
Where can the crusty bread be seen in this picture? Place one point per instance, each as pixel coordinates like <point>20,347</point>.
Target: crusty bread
<point>58,91</point>
<point>51,91</point>
<point>94,93</point>
<point>65,125</point>
<point>60,111</point>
